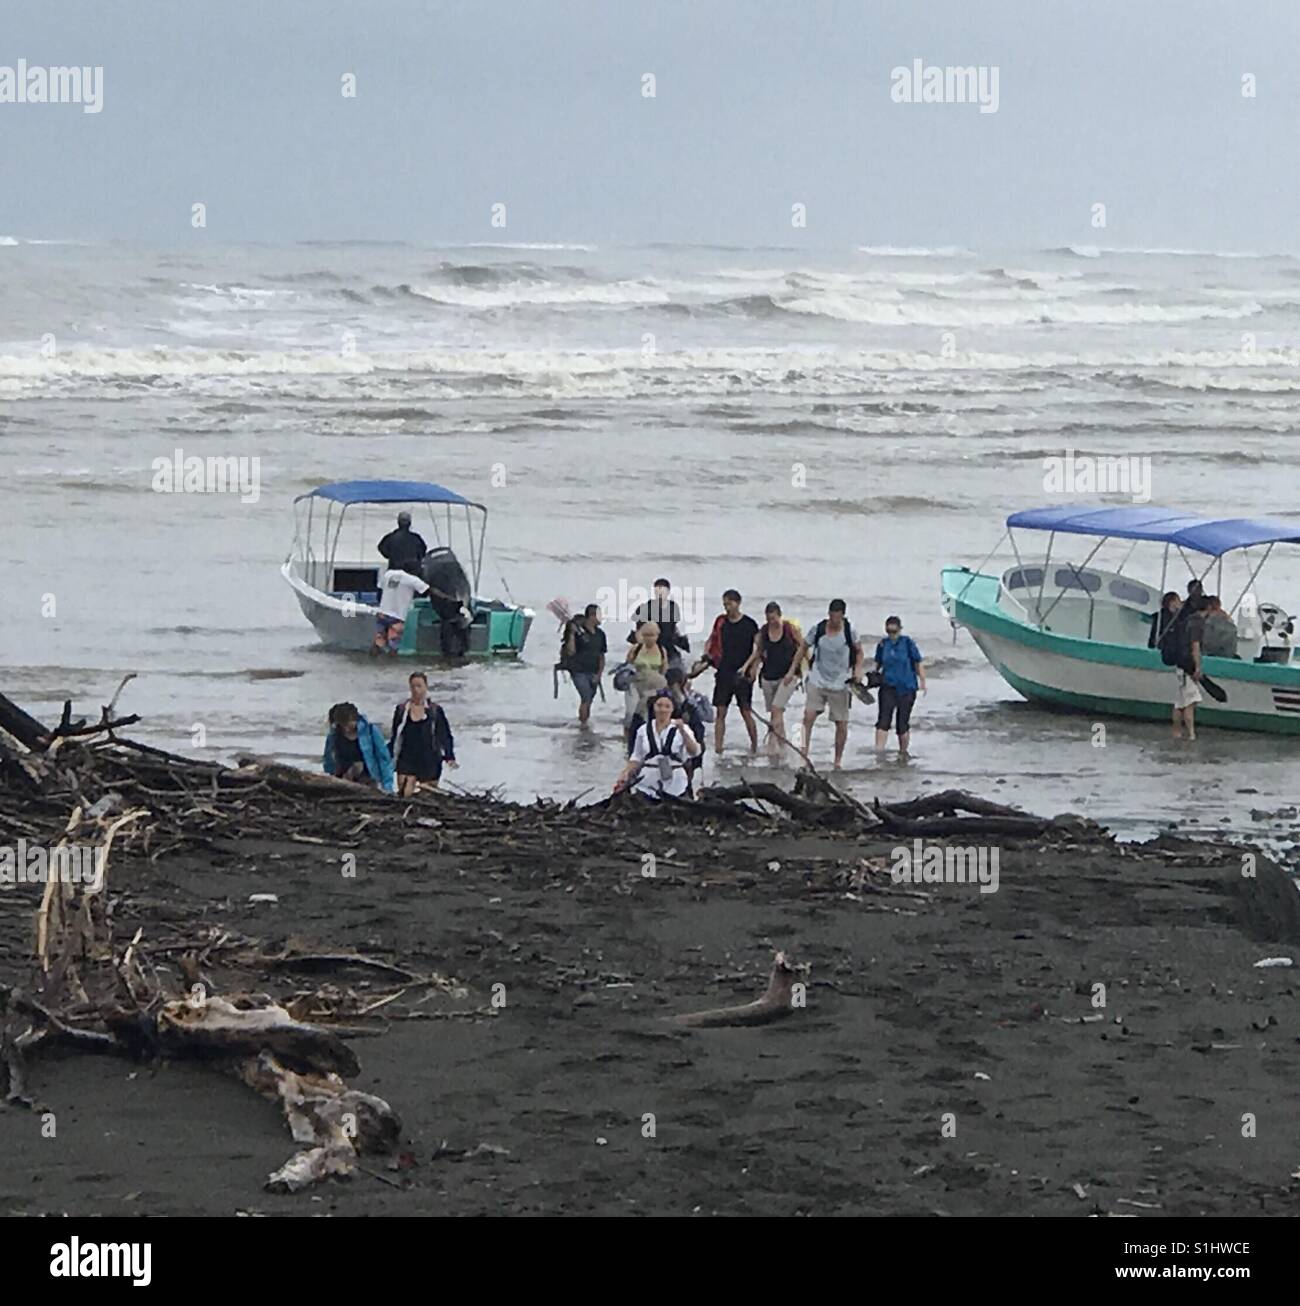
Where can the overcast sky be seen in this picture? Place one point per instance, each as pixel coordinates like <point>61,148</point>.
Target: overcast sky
<point>760,104</point>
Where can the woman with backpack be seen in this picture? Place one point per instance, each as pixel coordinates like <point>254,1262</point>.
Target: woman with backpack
<point>661,749</point>
<point>421,741</point>
<point>649,663</point>
<point>774,663</point>
<point>902,672</point>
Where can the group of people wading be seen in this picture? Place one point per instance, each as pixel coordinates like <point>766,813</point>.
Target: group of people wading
<point>419,744</point>
<point>665,719</point>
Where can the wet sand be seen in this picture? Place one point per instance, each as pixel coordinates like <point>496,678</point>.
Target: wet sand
<point>963,1004</point>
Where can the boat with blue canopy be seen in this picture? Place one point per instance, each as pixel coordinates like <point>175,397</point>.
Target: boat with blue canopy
<point>335,569</point>
<point>1074,634</point>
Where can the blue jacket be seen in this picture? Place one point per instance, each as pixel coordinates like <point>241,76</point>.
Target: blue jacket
<point>898,659</point>
<point>374,752</point>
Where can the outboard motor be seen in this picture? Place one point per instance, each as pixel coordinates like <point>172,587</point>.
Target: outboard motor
<point>440,569</point>
<point>1279,627</point>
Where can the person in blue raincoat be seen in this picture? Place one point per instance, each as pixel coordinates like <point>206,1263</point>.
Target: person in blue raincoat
<point>355,749</point>
<point>902,671</point>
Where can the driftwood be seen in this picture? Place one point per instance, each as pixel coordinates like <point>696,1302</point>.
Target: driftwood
<point>775,1004</point>
<point>24,728</point>
<point>951,801</point>
<point>908,820</point>
<point>89,993</point>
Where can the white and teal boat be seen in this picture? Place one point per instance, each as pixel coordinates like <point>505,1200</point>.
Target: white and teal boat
<point>1073,635</point>
<point>334,567</point>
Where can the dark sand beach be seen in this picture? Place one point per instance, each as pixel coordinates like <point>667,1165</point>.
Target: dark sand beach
<point>960,1004</point>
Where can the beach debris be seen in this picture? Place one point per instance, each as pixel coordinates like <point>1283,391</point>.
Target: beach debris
<point>1080,1192</point>
<point>89,993</point>
<point>1267,962</point>
<point>263,897</point>
<point>775,1004</point>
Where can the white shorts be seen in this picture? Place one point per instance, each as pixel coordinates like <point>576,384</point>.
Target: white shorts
<point>836,700</point>
<point>776,693</point>
<point>1187,693</point>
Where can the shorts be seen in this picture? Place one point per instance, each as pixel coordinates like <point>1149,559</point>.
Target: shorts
<point>1187,693</point>
<point>892,699</point>
<point>389,628</point>
<point>585,683</point>
<point>728,685</point>
<point>836,700</point>
<point>776,693</point>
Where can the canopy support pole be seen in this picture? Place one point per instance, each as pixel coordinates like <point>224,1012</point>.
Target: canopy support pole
<point>1119,571</point>
<point>976,573</point>
<point>1251,581</point>
<point>1092,603</point>
<point>1047,566</point>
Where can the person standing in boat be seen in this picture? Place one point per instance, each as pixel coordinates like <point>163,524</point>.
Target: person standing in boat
<point>1220,630</point>
<point>421,741</point>
<point>355,749</point>
<point>403,549</point>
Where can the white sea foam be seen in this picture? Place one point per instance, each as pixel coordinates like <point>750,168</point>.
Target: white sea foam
<point>914,251</point>
<point>524,244</point>
<point>526,294</point>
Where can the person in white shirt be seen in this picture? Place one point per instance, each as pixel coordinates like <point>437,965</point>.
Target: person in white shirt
<point>398,592</point>
<point>657,767</point>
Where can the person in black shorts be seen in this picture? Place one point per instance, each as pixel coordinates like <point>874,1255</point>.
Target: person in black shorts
<point>727,652</point>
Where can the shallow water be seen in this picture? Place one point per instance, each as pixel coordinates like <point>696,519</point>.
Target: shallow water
<point>797,425</point>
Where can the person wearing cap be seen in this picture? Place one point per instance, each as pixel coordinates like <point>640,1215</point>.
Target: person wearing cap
<point>657,767</point>
<point>403,549</point>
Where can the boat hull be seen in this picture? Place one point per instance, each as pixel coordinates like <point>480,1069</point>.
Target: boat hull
<point>1069,673</point>
<point>499,630</point>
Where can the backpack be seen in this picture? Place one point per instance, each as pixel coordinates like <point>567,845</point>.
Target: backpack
<point>563,661</point>
<point>1175,646</point>
<point>654,750</point>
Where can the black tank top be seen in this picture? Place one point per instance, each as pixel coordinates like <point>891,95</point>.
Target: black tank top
<point>777,654</point>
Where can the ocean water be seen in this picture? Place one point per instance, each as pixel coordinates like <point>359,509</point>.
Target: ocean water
<point>797,424</point>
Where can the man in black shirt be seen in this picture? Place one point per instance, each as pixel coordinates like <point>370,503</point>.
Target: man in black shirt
<point>403,549</point>
<point>727,651</point>
<point>584,657</point>
<point>665,613</point>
